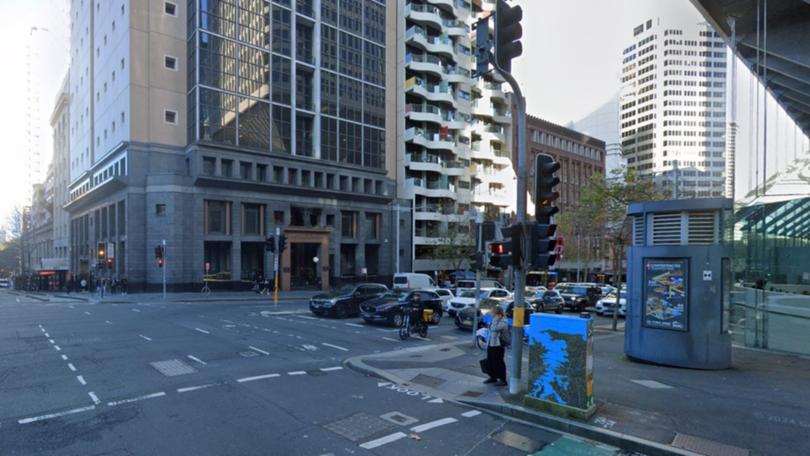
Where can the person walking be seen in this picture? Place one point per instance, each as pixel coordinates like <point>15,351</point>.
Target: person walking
<point>495,348</point>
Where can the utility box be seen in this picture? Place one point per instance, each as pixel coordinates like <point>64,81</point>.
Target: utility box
<point>561,365</point>
<point>679,283</point>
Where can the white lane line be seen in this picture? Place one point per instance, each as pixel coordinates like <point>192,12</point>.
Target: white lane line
<point>64,357</point>
<point>202,331</point>
<point>71,367</point>
<point>259,350</point>
<point>307,317</point>
<point>144,337</point>
<point>194,358</point>
<point>194,388</point>
<point>57,348</point>
<point>383,440</point>
<point>72,307</point>
<point>94,397</point>
<point>296,373</point>
<point>56,415</point>
<point>136,310</point>
<point>81,380</point>
<point>330,369</point>
<point>433,424</point>
<point>135,399</point>
<point>108,322</point>
<point>390,339</point>
<point>337,347</point>
<point>257,377</point>
<point>652,384</point>
<point>227,321</point>
<point>471,413</point>
<point>87,313</point>
<point>46,334</point>
<point>354,324</point>
<point>51,341</point>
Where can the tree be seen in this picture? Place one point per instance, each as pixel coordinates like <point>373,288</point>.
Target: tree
<point>456,246</point>
<point>603,206</point>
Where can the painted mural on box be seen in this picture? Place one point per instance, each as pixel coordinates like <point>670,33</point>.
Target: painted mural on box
<point>560,350</point>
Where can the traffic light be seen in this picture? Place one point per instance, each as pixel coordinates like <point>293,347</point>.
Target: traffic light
<point>477,260</point>
<point>499,257</point>
<point>513,243</point>
<point>282,243</point>
<point>159,255</point>
<point>544,193</point>
<point>101,252</point>
<point>109,262</point>
<point>542,244</point>
<point>270,244</point>
<point>508,32</point>
<point>482,46</point>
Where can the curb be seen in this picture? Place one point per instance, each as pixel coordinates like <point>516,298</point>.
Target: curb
<point>38,298</point>
<point>619,440</point>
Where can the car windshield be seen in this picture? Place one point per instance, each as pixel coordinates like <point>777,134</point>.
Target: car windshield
<point>394,295</point>
<point>613,295</point>
<point>400,280</point>
<point>346,289</point>
<point>467,294</point>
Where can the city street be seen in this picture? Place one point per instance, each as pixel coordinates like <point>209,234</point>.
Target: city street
<point>219,378</point>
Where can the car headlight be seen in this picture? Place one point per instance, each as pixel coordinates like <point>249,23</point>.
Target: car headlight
<point>330,302</point>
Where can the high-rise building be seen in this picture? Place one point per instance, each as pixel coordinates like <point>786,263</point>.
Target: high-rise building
<point>673,105</point>
<point>212,125</point>
<point>603,123</point>
<point>60,166</point>
<point>454,149</point>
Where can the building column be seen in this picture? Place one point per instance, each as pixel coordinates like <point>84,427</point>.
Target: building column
<point>236,241</point>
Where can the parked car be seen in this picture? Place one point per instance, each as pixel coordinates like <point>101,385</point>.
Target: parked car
<point>547,301</point>
<point>578,296</point>
<point>463,285</point>
<point>388,307</point>
<point>413,281</point>
<point>606,305</point>
<point>346,300</point>
<point>445,294</point>
<point>467,299</point>
<point>464,319</point>
<point>5,283</point>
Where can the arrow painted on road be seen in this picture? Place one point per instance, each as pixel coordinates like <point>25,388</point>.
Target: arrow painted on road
<point>438,400</point>
<point>381,384</point>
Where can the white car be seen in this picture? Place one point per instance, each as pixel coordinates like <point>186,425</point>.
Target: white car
<point>606,304</point>
<point>446,296</point>
<point>467,299</point>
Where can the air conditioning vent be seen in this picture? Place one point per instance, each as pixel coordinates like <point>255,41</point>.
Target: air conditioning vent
<point>638,230</point>
<point>666,229</point>
<point>702,228</point>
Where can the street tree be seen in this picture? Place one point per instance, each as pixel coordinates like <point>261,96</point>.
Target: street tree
<point>456,245</point>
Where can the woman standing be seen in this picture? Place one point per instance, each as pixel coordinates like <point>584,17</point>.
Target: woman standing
<point>495,348</point>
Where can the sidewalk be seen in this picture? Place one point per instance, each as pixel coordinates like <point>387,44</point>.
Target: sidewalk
<point>759,406</point>
<point>215,296</point>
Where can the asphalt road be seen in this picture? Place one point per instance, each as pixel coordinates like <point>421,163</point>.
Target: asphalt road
<point>218,378</point>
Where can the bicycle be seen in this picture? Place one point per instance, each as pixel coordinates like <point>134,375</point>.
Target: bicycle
<point>406,328</point>
<point>205,291</point>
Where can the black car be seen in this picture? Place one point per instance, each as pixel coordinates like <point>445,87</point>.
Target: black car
<point>388,308</point>
<point>547,301</point>
<point>578,296</point>
<point>346,300</point>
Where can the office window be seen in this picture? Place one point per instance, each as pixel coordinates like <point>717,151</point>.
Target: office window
<point>217,217</point>
<point>252,219</point>
<point>170,117</point>
<point>373,226</point>
<point>278,218</point>
<point>261,173</point>
<point>348,226</point>
<point>160,210</point>
<point>170,62</point>
<point>209,165</point>
<point>170,8</point>
<point>281,31</point>
<point>246,170</point>
<point>226,169</point>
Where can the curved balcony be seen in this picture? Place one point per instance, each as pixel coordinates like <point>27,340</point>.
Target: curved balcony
<point>429,113</point>
<point>493,90</point>
<point>493,133</point>
<point>424,14</point>
<point>439,213</point>
<point>425,63</point>
<point>494,197</point>
<point>430,139</point>
<point>480,107</point>
<point>437,44</point>
<point>432,92</point>
<point>430,189</point>
<point>456,27</point>
<point>459,75</point>
<point>502,116</point>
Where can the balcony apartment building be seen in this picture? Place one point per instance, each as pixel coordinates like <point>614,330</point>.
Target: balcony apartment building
<point>454,131</point>
<point>211,125</point>
<point>673,105</point>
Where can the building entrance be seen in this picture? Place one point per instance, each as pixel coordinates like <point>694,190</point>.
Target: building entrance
<point>298,268</point>
<point>304,261</point>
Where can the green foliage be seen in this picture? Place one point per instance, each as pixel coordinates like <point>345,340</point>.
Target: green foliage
<point>456,246</point>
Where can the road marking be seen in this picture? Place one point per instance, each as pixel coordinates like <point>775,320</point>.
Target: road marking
<point>330,369</point>
<point>258,377</point>
<point>135,399</point>
<point>354,324</point>
<point>194,358</point>
<point>144,337</point>
<point>136,310</point>
<point>471,413</point>
<point>389,338</point>
<point>307,317</point>
<point>259,350</point>
<point>296,373</point>
<point>94,397</point>
<point>383,440</point>
<point>652,384</point>
<point>56,415</point>
<point>438,400</point>
<point>87,313</point>
<point>64,357</point>
<point>433,424</point>
<point>108,322</point>
<point>81,380</point>
<point>387,330</point>
<point>51,341</point>
<point>310,347</point>
<point>194,388</point>
<point>58,348</point>
<point>202,331</point>
<point>338,347</point>
<point>71,367</point>
<point>450,337</point>
<point>227,321</point>
<point>46,334</point>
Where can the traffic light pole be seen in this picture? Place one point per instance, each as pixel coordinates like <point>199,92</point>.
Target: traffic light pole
<point>275,267</point>
<point>480,248</point>
<point>165,265</point>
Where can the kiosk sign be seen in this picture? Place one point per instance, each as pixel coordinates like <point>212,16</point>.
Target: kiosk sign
<point>666,304</point>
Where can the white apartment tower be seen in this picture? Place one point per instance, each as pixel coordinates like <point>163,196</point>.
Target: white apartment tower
<point>454,131</point>
<point>673,106</point>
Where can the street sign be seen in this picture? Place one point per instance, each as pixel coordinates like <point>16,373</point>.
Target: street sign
<point>207,266</point>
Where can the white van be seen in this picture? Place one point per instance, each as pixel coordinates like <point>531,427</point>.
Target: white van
<point>411,281</point>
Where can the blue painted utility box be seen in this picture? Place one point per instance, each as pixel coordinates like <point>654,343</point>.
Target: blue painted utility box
<point>561,365</point>
<point>679,283</point>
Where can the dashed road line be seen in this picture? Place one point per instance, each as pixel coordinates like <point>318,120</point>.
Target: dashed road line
<point>87,313</point>
<point>145,338</point>
<point>56,415</point>
<point>259,350</point>
<point>81,380</point>
<point>337,347</point>
<point>64,357</point>
<point>71,367</point>
<point>354,325</point>
<point>330,369</point>
<point>390,339</point>
<point>194,358</point>
<point>108,322</point>
<point>46,334</point>
<point>257,377</point>
<point>136,399</point>
<point>471,413</point>
<point>194,388</point>
<point>296,373</point>
<point>307,317</point>
<point>202,331</point>
<point>136,310</point>
<point>433,424</point>
<point>57,348</point>
<point>51,341</point>
<point>383,440</point>
<point>94,397</point>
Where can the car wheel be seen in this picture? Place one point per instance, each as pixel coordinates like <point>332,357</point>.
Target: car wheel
<point>436,318</point>
<point>396,320</point>
<point>558,310</point>
<point>457,321</point>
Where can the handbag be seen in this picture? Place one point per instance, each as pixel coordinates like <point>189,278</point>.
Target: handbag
<point>484,365</point>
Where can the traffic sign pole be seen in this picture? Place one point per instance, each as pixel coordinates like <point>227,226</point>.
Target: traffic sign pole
<point>165,265</point>
<point>275,267</point>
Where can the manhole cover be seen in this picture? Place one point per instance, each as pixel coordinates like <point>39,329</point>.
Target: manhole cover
<point>248,354</point>
<point>399,418</point>
<point>172,367</point>
<point>359,426</point>
<point>428,380</point>
<point>517,441</point>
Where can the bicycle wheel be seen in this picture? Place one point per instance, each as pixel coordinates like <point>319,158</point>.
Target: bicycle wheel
<point>205,291</point>
<point>423,329</point>
<point>405,328</point>
<point>481,342</point>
